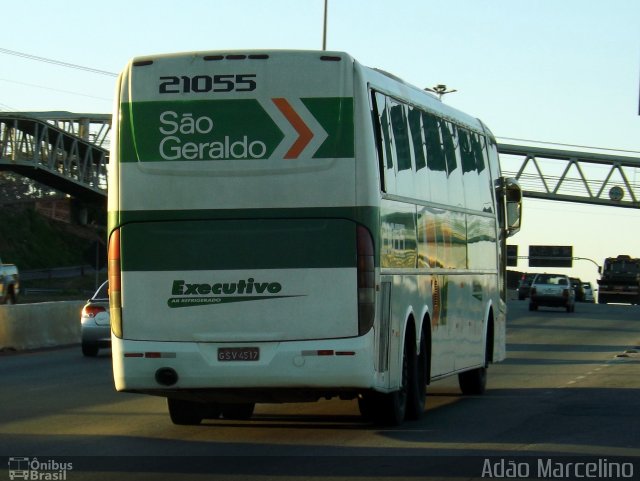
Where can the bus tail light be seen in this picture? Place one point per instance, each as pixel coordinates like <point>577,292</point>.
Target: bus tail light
<point>366,280</point>
<point>115,288</point>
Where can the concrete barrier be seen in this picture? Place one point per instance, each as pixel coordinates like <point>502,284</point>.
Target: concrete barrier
<point>44,324</point>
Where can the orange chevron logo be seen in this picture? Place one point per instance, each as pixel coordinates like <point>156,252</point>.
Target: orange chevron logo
<point>304,132</point>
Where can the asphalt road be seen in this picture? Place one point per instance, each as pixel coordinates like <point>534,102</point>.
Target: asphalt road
<point>570,387</point>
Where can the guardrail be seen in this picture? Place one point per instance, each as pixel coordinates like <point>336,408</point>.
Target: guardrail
<point>45,324</point>
<point>56,272</point>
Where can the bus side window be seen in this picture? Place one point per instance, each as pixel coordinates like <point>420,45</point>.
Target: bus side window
<point>436,166</point>
<point>469,170</point>
<point>451,146</point>
<point>383,131</point>
<point>421,181</point>
<point>479,147</point>
<point>415,126</point>
<point>400,131</point>
<point>400,136</point>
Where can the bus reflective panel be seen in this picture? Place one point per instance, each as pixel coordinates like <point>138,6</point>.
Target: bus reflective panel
<point>250,280</point>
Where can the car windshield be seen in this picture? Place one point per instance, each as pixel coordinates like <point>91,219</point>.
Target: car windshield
<point>622,267</point>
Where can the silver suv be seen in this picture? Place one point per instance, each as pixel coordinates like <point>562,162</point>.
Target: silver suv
<point>552,290</point>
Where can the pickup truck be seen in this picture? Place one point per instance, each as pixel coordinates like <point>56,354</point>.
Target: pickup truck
<point>9,283</point>
<point>552,290</point>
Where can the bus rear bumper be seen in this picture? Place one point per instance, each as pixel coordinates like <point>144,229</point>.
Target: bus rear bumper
<point>259,371</point>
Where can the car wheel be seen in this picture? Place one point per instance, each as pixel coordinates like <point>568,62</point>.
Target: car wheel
<point>89,350</point>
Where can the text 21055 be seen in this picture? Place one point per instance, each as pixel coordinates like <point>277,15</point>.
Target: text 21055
<point>207,83</point>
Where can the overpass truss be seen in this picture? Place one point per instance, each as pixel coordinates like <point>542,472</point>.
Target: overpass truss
<point>66,151</point>
<point>582,176</point>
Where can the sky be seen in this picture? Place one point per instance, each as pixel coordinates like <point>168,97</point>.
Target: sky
<point>559,71</point>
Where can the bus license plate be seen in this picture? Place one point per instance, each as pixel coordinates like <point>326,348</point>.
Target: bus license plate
<point>238,353</point>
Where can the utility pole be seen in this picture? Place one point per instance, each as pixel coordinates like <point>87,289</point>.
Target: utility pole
<point>324,30</point>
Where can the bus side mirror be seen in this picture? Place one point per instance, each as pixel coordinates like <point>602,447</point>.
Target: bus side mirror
<point>513,203</point>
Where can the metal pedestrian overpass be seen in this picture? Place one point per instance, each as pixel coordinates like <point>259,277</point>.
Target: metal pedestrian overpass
<point>70,152</point>
<point>66,151</point>
<point>583,175</point>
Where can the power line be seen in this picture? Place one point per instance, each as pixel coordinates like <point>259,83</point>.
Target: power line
<point>56,62</point>
<point>5,107</point>
<point>569,145</point>
<point>54,89</point>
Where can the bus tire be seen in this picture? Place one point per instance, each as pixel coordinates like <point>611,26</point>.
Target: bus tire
<point>473,382</point>
<point>367,404</point>
<point>390,409</point>
<point>384,409</point>
<point>237,411</point>
<point>211,411</point>
<point>185,413</point>
<point>417,389</point>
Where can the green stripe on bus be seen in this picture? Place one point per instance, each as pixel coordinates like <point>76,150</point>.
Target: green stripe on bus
<point>366,215</point>
<point>235,129</point>
<point>238,244</point>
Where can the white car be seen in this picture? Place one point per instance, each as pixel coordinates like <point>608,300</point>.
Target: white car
<point>588,292</point>
<point>552,290</point>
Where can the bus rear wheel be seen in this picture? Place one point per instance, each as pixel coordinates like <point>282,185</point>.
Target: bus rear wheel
<point>237,411</point>
<point>417,388</point>
<point>185,413</point>
<point>391,409</point>
<point>384,409</point>
<point>473,382</point>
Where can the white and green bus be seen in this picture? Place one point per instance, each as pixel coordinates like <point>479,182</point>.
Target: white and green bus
<point>287,226</point>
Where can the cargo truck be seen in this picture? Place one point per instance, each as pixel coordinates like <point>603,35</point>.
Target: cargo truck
<point>620,280</point>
